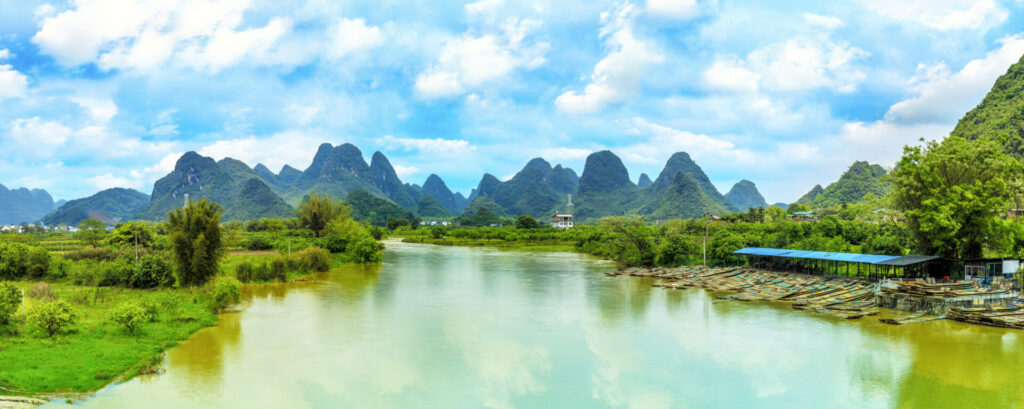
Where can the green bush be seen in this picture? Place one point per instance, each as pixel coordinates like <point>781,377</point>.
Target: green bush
<point>279,269</point>
<point>314,259</point>
<point>334,243</point>
<point>245,271</point>
<point>257,243</point>
<point>227,291</point>
<point>19,260</point>
<point>93,253</point>
<point>10,301</point>
<point>365,250</point>
<point>53,317</point>
<point>115,273</point>
<point>152,271</point>
<point>84,272</point>
<point>130,315</point>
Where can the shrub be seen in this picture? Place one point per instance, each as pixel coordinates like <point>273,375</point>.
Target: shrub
<point>84,273</point>
<point>93,253</point>
<point>227,291</point>
<point>365,250</point>
<point>114,273</point>
<point>279,269</point>
<point>53,316</point>
<point>40,291</point>
<point>438,232</point>
<point>130,315</point>
<point>245,271</point>
<point>334,243</point>
<point>153,271</point>
<point>314,259</point>
<point>10,300</point>
<point>19,260</point>
<point>257,243</point>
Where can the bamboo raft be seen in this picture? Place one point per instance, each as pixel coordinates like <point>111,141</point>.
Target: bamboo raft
<point>1002,317</point>
<point>911,319</point>
<point>943,290</point>
<point>841,298</point>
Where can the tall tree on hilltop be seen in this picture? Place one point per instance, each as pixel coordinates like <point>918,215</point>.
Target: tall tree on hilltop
<point>196,239</point>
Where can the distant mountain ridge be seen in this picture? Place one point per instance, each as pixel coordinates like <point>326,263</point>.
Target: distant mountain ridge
<point>23,205</point>
<point>859,180</point>
<point>109,206</point>
<point>744,195</point>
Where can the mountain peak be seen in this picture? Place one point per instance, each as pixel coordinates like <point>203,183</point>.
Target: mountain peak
<point>539,164</point>
<point>644,180</point>
<point>744,195</point>
<point>603,171</point>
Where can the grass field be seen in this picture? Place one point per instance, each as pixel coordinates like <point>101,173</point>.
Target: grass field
<point>96,351</point>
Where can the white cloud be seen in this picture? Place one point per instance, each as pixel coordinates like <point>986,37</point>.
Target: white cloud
<point>472,60</point>
<point>939,95</point>
<point>108,180</point>
<point>101,109</point>
<point>4,54</point>
<point>826,22</point>
<point>942,15</point>
<point>353,35</point>
<point>132,34</point>
<point>801,63</point>
<point>291,147</point>
<point>436,146</point>
<point>681,9</point>
<point>565,154</point>
<point>143,179</point>
<point>482,7</point>
<point>617,76</point>
<point>730,76</point>
<point>37,137</point>
<point>12,82</point>
<point>663,141</point>
<point>405,171</point>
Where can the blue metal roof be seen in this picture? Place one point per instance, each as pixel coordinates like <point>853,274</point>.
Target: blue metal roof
<point>816,255</point>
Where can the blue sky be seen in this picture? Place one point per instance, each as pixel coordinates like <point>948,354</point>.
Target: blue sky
<point>98,94</point>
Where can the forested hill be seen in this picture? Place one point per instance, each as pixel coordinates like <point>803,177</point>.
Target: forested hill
<point>859,180</point>
<point>1000,113</point>
<point>109,206</point>
<point>744,195</point>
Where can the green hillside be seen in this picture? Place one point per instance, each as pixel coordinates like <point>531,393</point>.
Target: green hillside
<point>256,200</point>
<point>373,209</point>
<point>429,207</point>
<point>859,180</point>
<point>110,206</point>
<point>1000,113</point>
<point>744,195</point>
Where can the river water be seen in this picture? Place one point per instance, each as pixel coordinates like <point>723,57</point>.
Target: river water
<point>450,327</point>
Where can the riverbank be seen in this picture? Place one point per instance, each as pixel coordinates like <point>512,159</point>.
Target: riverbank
<point>96,351</point>
<point>546,245</point>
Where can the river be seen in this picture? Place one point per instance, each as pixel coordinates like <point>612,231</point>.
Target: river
<point>450,327</point>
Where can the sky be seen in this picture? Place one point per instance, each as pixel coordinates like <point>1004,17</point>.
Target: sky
<point>100,94</point>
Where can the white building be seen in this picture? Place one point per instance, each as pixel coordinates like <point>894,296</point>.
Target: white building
<point>562,221</point>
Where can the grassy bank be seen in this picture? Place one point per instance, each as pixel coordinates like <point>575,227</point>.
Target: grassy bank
<point>551,245</point>
<point>96,351</point>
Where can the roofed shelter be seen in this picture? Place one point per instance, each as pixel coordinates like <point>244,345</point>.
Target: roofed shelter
<point>871,266</point>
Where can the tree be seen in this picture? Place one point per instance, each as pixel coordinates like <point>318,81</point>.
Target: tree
<point>53,316</point>
<point>526,222</point>
<point>954,194</point>
<point>131,234</point>
<point>10,300</point>
<point>91,231</point>
<point>633,236</point>
<point>438,232</point>
<point>196,241</point>
<point>316,211</point>
<point>130,315</point>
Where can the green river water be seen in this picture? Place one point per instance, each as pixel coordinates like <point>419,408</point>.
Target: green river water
<point>444,327</point>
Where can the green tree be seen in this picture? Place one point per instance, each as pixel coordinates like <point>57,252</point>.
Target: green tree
<point>196,240</point>
<point>954,194</point>
<point>438,232</point>
<point>52,317</point>
<point>130,315</point>
<point>130,234</point>
<point>633,237</point>
<point>227,291</point>
<point>91,231</point>
<point>316,211</point>
<point>526,222</point>
<point>10,300</point>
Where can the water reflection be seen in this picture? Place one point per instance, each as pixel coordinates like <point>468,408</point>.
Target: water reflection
<point>469,328</point>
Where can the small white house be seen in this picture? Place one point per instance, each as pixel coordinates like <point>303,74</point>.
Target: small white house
<point>562,221</point>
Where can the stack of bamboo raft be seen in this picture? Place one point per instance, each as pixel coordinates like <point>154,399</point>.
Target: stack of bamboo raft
<point>843,298</point>
<point>944,290</point>
<point>1003,317</point>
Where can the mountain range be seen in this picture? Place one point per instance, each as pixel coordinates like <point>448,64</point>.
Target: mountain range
<point>859,180</point>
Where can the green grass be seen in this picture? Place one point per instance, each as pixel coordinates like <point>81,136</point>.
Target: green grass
<point>96,351</point>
